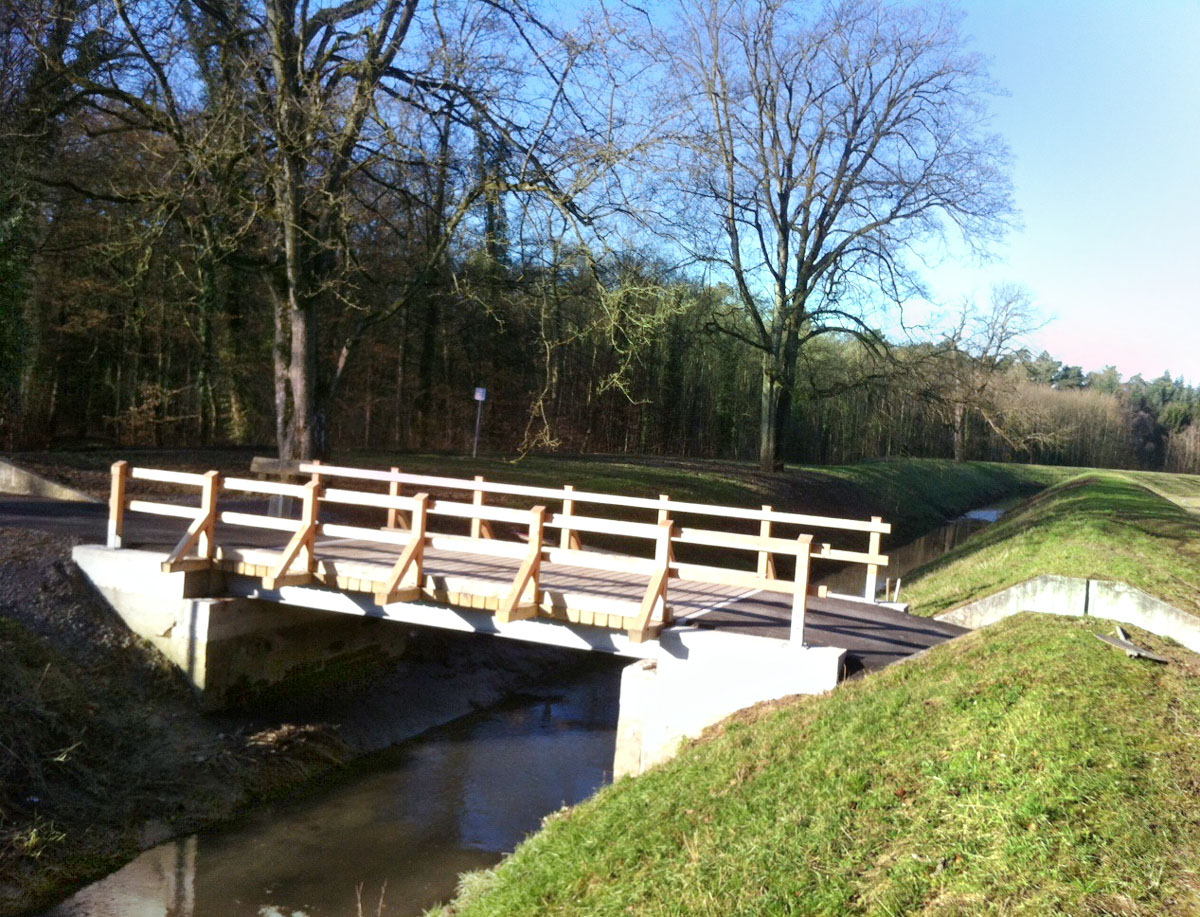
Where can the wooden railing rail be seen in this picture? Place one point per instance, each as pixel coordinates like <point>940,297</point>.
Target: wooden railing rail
<point>408,530</point>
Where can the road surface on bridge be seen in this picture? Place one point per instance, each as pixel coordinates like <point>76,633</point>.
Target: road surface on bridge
<point>873,636</point>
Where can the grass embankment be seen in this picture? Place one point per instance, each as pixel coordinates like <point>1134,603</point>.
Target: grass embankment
<point>1100,525</point>
<point>1025,768</point>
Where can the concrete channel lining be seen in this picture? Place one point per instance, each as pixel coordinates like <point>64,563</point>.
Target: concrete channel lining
<point>1079,597</point>
<point>15,480</point>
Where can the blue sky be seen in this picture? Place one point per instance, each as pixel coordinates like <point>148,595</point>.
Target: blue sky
<point>1103,117</point>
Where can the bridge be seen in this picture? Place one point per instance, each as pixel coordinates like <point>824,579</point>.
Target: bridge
<point>718,605</point>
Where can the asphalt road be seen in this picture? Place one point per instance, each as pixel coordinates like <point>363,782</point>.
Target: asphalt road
<point>872,636</point>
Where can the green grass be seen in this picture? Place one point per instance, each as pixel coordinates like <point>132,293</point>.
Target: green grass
<point>1097,525</point>
<point>1024,769</point>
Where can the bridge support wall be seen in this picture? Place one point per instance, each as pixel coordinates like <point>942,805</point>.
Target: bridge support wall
<point>230,649</point>
<point>667,700</point>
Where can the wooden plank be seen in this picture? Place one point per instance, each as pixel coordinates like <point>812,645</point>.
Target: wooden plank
<point>600,526</point>
<point>721,576</point>
<point>395,518</point>
<point>274,488</point>
<point>162,509</point>
<point>256,521</point>
<point>568,538</point>
<point>596,560</point>
<point>766,560</point>
<point>359,533</point>
<point>800,596</point>
<point>366,498</point>
<point>186,478</point>
<point>186,564</point>
<point>464,544</point>
<point>871,585</point>
<point>737,541</point>
<point>478,511</point>
<point>116,504</point>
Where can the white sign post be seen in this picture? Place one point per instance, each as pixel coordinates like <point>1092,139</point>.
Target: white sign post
<point>480,398</point>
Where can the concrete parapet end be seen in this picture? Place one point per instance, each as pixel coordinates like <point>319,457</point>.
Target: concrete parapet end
<point>16,480</point>
<point>1076,596</point>
<point>668,700</point>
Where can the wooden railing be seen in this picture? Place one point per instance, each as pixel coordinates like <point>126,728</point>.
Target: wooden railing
<point>410,532</point>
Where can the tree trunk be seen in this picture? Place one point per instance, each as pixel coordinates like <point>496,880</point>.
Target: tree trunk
<point>960,433</point>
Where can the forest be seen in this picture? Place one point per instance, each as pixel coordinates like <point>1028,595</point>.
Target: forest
<point>323,225</point>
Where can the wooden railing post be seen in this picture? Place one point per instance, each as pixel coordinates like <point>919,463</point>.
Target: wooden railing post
<point>515,606</point>
<point>766,560</point>
<point>206,545</point>
<point>800,597</point>
<point>656,591</point>
<point>116,504</point>
<point>407,577</point>
<point>303,543</point>
<point>395,517</point>
<point>872,584</point>
<point>480,528</point>
<point>569,537</point>
<point>664,514</point>
<point>316,477</point>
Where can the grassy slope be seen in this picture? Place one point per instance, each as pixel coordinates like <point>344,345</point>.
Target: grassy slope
<point>1024,769</point>
<point>1100,525</point>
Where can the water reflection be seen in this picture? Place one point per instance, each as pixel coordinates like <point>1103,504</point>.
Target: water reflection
<point>451,802</point>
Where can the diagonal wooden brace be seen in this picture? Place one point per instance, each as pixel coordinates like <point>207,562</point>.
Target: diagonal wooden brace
<point>518,605</point>
<point>302,546</point>
<point>407,577</point>
<point>201,534</point>
<point>656,592</point>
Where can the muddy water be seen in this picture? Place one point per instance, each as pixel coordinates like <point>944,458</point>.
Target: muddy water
<point>454,800</point>
<point>904,558</point>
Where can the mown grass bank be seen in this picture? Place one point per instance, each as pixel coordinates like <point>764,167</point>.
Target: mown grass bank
<point>1026,768</point>
<point>1101,525</point>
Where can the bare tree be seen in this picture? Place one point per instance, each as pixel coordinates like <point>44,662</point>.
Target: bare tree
<point>823,144</point>
<point>976,373</point>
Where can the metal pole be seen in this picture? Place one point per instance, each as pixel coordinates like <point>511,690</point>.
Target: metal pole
<point>478,418</point>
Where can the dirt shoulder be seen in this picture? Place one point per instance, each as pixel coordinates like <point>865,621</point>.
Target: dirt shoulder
<point>102,748</point>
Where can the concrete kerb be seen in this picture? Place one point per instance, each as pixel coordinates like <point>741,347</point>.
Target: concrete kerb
<point>1079,597</point>
<point>15,480</point>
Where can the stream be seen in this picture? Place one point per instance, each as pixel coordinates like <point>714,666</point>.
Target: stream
<point>409,821</point>
<point>456,799</point>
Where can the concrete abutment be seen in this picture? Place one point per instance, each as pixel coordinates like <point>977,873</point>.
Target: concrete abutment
<point>234,642</point>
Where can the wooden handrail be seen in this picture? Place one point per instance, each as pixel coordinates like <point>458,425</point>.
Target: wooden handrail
<point>678,507</point>
<point>298,563</point>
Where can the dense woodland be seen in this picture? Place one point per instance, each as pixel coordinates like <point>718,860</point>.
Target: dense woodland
<point>323,225</point>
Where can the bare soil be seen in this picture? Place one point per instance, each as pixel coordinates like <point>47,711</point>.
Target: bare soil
<point>103,750</point>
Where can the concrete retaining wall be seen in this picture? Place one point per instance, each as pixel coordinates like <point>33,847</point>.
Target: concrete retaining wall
<point>1069,595</point>
<point>668,700</point>
<point>14,480</point>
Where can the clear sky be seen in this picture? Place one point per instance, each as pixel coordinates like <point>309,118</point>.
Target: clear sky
<point>1103,117</point>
